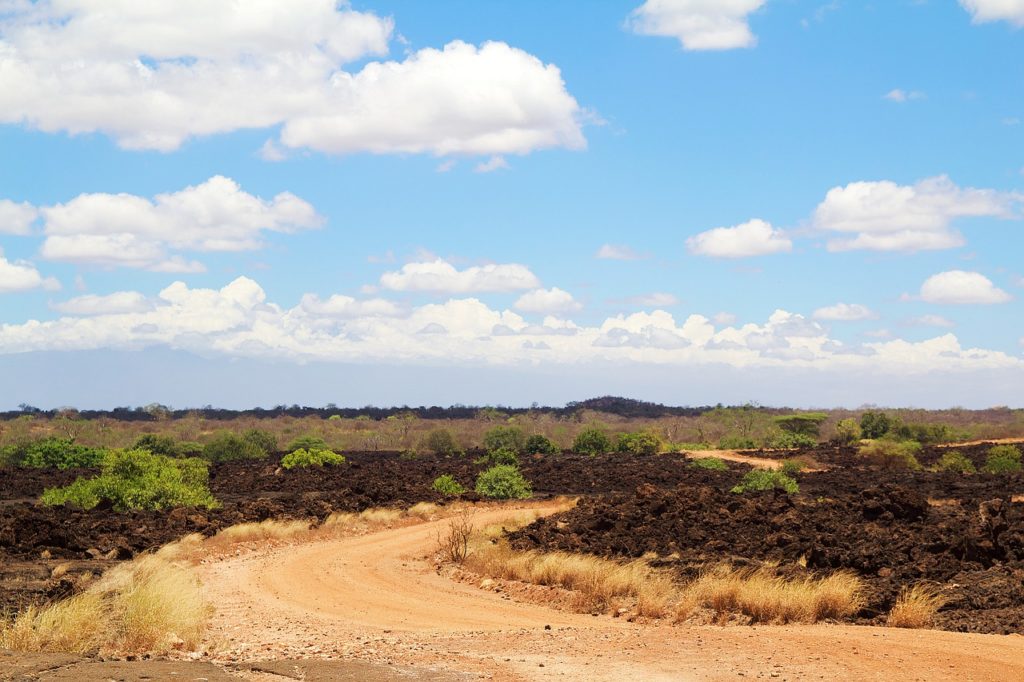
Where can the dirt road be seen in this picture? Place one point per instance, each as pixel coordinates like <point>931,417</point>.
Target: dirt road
<point>374,598</point>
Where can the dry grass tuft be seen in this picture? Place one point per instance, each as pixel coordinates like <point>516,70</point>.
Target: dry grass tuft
<point>597,581</point>
<point>147,605</point>
<point>271,529</point>
<point>766,597</point>
<point>915,607</point>
<point>379,516</point>
<point>423,510</point>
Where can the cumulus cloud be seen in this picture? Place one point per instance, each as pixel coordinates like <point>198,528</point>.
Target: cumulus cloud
<point>22,276</point>
<point>844,312</point>
<point>238,320</point>
<point>617,252</point>
<point>171,71</point>
<point>931,321</point>
<point>92,304</point>
<point>752,238</point>
<point>125,230</point>
<point>995,10</point>
<point>958,287</point>
<point>698,24</point>
<point>492,164</point>
<point>901,96</point>
<point>16,218</point>
<point>339,306</point>
<point>885,216</point>
<point>440,276</point>
<point>550,301</point>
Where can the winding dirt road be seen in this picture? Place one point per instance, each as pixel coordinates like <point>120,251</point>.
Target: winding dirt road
<point>373,597</point>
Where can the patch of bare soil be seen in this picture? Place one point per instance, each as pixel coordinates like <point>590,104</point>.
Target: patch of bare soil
<point>378,598</point>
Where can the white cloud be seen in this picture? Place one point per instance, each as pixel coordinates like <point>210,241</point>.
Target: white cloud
<point>153,74</point>
<point>125,230</point>
<point>617,252</point>
<point>753,238</point>
<point>440,276</point>
<point>698,24</point>
<point>492,164</point>
<point>844,312</point>
<point>931,321</point>
<point>548,301</point>
<point>16,218</point>
<point>22,276</point>
<point>958,287</point>
<point>657,299</point>
<point>271,151</point>
<point>884,216</point>
<point>238,321</point>
<point>445,165</point>
<point>724,319</point>
<point>995,10</point>
<point>901,96</point>
<point>92,304</point>
<point>339,306</point>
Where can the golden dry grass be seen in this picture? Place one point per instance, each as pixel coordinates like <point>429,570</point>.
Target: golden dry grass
<point>766,597</point>
<point>380,516</point>
<point>915,607</point>
<point>598,582</point>
<point>422,510</point>
<point>147,605</point>
<point>271,529</point>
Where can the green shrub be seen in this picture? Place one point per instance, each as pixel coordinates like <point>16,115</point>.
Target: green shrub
<point>505,437</point>
<point>691,447</point>
<point>139,479</point>
<point>227,447</point>
<point>591,441</point>
<point>158,444</point>
<point>1002,459</point>
<point>923,433</point>
<point>892,454</point>
<point>540,445</point>
<point>848,431</point>
<point>802,424</point>
<point>62,453</point>
<point>710,463</point>
<point>503,482</point>
<point>334,418</point>
<point>307,443</point>
<point>792,467</point>
<point>190,448</point>
<point>736,443</point>
<point>499,456</point>
<point>955,461</point>
<point>303,458</point>
<point>441,442</point>
<point>447,485</point>
<point>874,424</point>
<point>639,443</point>
<point>264,440</point>
<point>788,440</point>
<point>761,479</point>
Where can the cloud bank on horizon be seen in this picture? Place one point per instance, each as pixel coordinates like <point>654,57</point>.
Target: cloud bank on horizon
<point>230,173</point>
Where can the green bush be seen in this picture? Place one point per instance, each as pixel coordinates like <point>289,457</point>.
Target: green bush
<point>1002,459</point>
<point>591,441</point>
<point>710,463</point>
<point>923,433</point>
<point>227,447</point>
<point>736,443</point>
<point>447,485</point>
<point>441,442</point>
<point>892,454</point>
<point>639,443</point>
<point>158,444</point>
<point>540,445</point>
<point>303,458</point>
<point>874,424</point>
<point>792,467</point>
<point>761,479</point>
<point>264,440</point>
<point>691,447</point>
<point>505,437</point>
<point>190,448</point>
<point>956,462</point>
<point>788,440</point>
<point>803,423</point>
<point>307,443</point>
<point>62,453</point>
<point>499,456</point>
<point>503,482</point>
<point>139,479</point>
<point>847,431</point>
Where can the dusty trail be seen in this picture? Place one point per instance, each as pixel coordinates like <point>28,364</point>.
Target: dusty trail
<point>733,456</point>
<point>373,598</point>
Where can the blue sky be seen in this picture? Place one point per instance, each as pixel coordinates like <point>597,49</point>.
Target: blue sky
<point>666,199</point>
